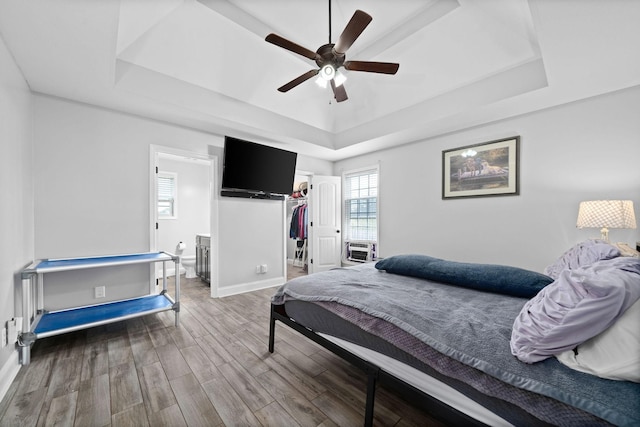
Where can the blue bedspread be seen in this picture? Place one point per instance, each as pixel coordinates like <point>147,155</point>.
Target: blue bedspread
<point>470,326</point>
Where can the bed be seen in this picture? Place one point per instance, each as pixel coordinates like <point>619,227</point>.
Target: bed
<point>469,342</point>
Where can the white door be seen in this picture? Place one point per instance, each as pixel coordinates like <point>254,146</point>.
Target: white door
<point>325,223</point>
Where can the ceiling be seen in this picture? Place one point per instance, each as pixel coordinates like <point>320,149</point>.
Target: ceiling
<point>205,64</point>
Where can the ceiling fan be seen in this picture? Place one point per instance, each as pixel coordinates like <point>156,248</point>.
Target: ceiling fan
<point>330,57</point>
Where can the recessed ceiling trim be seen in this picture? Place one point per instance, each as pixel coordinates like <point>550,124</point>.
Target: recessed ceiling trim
<point>237,15</point>
<point>429,14</point>
<point>212,106</point>
<point>135,19</point>
<point>524,78</point>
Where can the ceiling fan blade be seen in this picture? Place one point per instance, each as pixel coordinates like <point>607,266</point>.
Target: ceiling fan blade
<point>372,67</point>
<point>339,93</point>
<point>354,28</point>
<point>295,82</point>
<point>293,47</point>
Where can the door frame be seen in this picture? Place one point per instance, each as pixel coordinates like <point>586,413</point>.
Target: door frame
<point>154,151</point>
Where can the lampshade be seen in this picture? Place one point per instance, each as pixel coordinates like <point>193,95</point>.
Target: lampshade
<point>606,214</point>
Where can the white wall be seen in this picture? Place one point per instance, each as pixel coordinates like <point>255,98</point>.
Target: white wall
<point>193,206</point>
<point>253,232</point>
<point>314,166</point>
<point>16,204</point>
<point>587,150</point>
<point>92,198</point>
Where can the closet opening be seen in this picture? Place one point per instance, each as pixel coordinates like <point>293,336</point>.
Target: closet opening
<point>314,241</point>
<point>298,230</point>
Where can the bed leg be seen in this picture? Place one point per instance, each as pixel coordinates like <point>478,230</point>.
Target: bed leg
<point>272,331</point>
<point>372,377</point>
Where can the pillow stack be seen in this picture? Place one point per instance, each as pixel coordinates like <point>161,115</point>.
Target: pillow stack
<point>613,354</point>
<point>584,317</point>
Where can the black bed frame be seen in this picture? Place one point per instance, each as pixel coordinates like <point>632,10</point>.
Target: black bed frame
<point>375,374</point>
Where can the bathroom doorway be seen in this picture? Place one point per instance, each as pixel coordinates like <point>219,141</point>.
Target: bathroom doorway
<point>184,209</point>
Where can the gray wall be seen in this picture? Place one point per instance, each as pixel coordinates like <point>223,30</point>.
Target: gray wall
<point>16,192</point>
<point>587,150</point>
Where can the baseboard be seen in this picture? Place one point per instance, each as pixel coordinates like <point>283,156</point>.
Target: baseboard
<point>8,373</point>
<point>249,287</point>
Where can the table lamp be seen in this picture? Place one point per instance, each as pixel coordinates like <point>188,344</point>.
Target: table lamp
<point>606,214</point>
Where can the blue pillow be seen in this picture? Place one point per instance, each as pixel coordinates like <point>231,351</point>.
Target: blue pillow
<point>485,277</point>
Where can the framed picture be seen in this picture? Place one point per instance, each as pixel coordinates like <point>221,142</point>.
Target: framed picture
<point>486,169</point>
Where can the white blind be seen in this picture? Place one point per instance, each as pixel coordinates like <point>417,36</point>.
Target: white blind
<point>361,205</point>
<point>166,195</point>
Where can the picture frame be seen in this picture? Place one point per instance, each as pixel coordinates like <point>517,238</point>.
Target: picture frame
<point>480,170</point>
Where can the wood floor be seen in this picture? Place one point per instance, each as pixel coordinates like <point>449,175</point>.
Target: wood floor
<point>212,370</point>
<point>294,271</point>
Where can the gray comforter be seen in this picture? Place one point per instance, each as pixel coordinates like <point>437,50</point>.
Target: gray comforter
<point>470,326</point>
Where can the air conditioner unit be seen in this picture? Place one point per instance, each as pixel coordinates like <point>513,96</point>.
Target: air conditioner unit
<point>361,251</point>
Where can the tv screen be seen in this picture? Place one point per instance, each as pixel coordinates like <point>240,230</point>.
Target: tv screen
<point>252,169</point>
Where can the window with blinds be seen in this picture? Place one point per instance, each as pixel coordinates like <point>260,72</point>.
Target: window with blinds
<point>167,199</point>
<point>361,204</point>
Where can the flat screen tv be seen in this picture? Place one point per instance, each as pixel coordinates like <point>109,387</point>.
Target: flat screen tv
<point>256,171</point>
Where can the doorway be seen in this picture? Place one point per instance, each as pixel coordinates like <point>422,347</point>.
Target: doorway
<point>191,211</point>
<point>297,230</point>
<point>317,212</point>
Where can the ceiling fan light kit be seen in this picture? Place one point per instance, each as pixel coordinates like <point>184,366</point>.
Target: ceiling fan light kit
<point>330,57</point>
<point>339,78</point>
<point>327,72</point>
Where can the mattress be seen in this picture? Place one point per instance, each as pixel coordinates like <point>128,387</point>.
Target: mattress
<point>459,336</point>
<point>482,405</point>
<point>423,382</point>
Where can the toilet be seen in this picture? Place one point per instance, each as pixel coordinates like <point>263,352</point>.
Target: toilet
<point>188,262</point>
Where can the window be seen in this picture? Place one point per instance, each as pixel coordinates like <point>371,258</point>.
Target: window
<point>167,195</point>
<point>361,204</point>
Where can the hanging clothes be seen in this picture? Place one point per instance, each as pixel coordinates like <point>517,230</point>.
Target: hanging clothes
<point>298,228</point>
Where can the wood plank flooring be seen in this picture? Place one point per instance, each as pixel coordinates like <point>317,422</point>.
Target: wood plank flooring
<point>212,370</point>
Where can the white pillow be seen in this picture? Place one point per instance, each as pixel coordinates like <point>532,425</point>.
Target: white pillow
<point>613,354</point>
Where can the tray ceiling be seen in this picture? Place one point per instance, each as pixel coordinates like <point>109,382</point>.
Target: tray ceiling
<point>205,64</point>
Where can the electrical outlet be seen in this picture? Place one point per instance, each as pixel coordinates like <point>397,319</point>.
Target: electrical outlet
<point>12,332</point>
<point>258,269</point>
<point>263,268</point>
<point>99,292</point>
<point>4,337</point>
